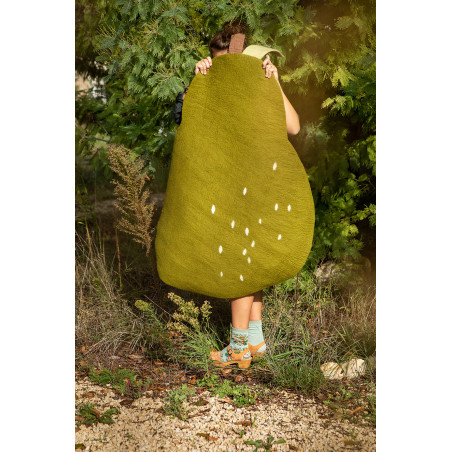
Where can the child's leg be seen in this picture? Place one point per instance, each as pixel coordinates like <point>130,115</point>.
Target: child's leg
<point>256,339</point>
<point>256,308</point>
<point>238,346</point>
<point>241,309</point>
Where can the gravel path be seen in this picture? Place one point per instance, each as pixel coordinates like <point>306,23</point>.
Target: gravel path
<point>305,424</point>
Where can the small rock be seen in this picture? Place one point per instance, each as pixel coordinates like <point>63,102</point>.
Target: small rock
<point>349,369</point>
<point>332,371</point>
<point>354,368</point>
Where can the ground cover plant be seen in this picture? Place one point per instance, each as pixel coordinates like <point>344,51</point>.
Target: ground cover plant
<point>176,402</point>
<point>265,444</point>
<point>124,380</point>
<point>240,394</point>
<point>87,414</point>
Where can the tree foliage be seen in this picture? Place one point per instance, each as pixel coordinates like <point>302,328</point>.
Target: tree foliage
<point>89,15</point>
<point>328,72</point>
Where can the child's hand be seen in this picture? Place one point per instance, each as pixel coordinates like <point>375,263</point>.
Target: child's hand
<point>269,68</point>
<point>203,65</point>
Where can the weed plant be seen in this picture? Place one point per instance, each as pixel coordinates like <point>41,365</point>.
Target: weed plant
<point>265,444</point>
<point>176,402</point>
<point>91,416</point>
<point>123,380</point>
<point>372,407</point>
<point>241,394</point>
<point>200,337</point>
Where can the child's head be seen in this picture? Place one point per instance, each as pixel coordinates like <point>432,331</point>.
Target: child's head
<point>219,44</point>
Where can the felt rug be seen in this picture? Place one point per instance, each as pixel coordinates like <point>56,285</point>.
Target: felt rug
<point>238,214</point>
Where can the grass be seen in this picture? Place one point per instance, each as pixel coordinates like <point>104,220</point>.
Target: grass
<point>321,325</point>
<point>297,373</point>
<point>105,319</point>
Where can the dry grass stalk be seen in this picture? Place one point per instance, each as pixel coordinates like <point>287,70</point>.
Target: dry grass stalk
<point>133,200</point>
<point>105,321</point>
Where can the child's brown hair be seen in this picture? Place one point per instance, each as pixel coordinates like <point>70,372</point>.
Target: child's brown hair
<point>222,39</point>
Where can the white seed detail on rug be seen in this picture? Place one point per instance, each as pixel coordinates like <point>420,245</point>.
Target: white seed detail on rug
<point>247,230</point>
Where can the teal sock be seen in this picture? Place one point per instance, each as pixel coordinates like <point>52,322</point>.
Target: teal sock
<point>255,335</point>
<point>239,342</point>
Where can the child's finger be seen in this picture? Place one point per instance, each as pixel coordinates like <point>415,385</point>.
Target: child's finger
<point>268,70</point>
<point>205,65</point>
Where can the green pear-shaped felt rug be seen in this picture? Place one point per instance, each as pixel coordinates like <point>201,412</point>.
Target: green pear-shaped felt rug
<point>238,214</point>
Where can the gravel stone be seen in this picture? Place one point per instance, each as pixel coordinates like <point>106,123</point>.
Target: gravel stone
<point>142,426</point>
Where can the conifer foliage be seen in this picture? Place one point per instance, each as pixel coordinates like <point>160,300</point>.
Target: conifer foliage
<point>328,71</point>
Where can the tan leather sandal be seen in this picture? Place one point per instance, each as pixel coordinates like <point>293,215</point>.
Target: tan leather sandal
<point>233,358</point>
<point>254,350</point>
